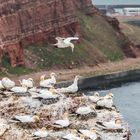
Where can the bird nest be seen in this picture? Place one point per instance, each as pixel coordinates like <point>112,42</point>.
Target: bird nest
<point>13,105</point>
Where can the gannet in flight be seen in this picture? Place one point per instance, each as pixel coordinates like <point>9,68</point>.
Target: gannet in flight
<point>65,42</point>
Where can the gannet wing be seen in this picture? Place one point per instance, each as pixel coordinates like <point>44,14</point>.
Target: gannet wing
<point>68,39</point>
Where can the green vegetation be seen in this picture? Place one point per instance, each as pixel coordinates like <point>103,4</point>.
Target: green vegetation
<point>132,30</point>
<point>17,71</point>
<point>100,43</point>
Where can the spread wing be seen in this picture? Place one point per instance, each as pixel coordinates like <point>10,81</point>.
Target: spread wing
<point>68,39</point>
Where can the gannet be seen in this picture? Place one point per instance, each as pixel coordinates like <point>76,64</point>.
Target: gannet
<point>18,89</point>
<point>7,83</point>
<point>27,82</point>
<point>72,88</point>
<point>45,94</point>
<point>95,97</point>
<point>42,133</point>
<point>64,122</point>
<point>106,101</point>
<point>115,124</point>
<point>3,128</point>
<point>83,110</point>
<point>25,119</point>
<point>73,135</point>
<point>65,42</point>
<point>92,134</point>
<point>1,86</point>
<point>48,82</point>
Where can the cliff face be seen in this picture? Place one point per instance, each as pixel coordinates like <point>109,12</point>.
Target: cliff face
<point>31,21</point>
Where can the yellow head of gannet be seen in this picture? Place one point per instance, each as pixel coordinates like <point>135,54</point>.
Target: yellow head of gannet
<point>110,94</point>
<point>36,118</point>
<point>118,121</point>
<point>53,74</point>
<point>92,106</point>
<point>52,90</point>
<point>82,136</point>
<point>93,130</point>
<point>42,78</point>
<point>96,94</point>
<point>65,115</point>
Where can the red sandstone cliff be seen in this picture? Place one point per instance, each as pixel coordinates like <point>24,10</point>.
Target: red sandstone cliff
<point>29,21</point>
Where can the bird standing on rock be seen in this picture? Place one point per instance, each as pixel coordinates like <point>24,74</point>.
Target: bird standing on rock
<point>72,88</point>
<point>65,42</point>
<point>7,83</point>
<point>48,82</point>
<point>27,82</point>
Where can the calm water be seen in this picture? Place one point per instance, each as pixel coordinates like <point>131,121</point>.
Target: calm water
<point>127,99</point>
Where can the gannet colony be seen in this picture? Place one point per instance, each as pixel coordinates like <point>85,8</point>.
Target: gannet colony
<point>49,113</point>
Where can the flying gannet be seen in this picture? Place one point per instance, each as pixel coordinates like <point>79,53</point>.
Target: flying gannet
<point>65,42</point>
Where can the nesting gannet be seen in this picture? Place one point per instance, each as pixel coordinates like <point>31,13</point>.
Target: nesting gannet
<point>64,122</point>
<point>65,42</point>
<point>19,90</point>
<point>42,133</point>
<point>115,124</point>
<point>25,119</point>
<point>72,88</point>
<point>1,86</point>
<point>92,134</point>
<point>106,101</point>
<point>95,97</point>
<point>48,82</point>
<point>86,112</point>
<point>3,128</point>
<point>73,135</point>
<point>27,82</point>
<point>7,83</point>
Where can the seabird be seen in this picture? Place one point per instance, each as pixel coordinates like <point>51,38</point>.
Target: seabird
<point>65,42</point>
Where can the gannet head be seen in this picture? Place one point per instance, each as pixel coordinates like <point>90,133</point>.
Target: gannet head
<point>74,131</point>
<point>36,118</point>
<point>110,94</point>
<point>92,106</point>
<point>118,121</point>
<point>96,94</point>
<point>30,79</point>
<point>53,90</point>
<point>93,130</point>
<point>65,115</point>
<point>82,137</point>
<point>42,78</point>
<point>53,74</point>
<point>43,129</point>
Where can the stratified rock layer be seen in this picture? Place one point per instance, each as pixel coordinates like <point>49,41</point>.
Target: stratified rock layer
<point>31,21</point>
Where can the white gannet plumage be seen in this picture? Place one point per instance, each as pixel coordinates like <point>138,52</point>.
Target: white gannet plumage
<point>73,135</point>
<point>92,134</point>
<point>64,122</point>
<point>7,83</point>
<point>1,86</point>
<point>72,88</point>
<point>84,110</point>
<point>18,89</point>
<point>106,101</point>
<point>3,128</point>
<point>41,133</point>
<point>25,119</point>
<point>27,82</point>
<point>111,125</point>
<point>95,97</point>
<point>65,42</point>
<point>48,82</point>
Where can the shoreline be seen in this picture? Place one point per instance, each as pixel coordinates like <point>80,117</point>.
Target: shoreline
<point>85,71</point>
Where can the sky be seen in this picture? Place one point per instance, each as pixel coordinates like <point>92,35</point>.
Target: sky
<point>115,2</point>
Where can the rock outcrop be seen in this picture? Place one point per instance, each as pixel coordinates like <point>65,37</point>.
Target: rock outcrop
<point>31,21</point>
